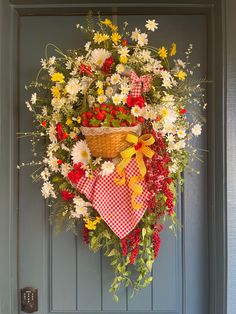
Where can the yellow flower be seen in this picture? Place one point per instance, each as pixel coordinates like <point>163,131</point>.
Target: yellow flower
<point>58,77</point>
<point>162,52</point>
<point>55,92</point>
<point>115,37</point>
<point>173,49</point>
<point>69,122</point>
<point>100,91</point>
<point>92,224</point>
<point>98,38</point>
<point>78,119</point>
<point>181,75</point>
<point>123,59</point>
<point>107,22</point>
<point>113,27</point>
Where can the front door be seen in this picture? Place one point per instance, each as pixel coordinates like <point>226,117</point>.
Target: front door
<point>69,278</point>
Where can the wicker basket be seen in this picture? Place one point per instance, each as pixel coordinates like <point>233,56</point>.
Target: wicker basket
<point>108,142</point>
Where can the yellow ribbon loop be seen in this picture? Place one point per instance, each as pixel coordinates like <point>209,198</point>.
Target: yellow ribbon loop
<point>139,150</point>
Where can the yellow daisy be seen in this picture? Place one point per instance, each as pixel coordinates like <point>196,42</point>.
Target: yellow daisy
<point>173,49</point>
<point>162,52</point>
<point>58,77</point>
<point>115,37</point>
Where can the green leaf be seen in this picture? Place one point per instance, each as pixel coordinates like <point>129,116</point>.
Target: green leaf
<point>106,234</point>
<point>149,264</point>
<point>143,233</point>
<point>113,252</point>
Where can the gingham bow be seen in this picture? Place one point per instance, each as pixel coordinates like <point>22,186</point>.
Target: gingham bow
<point>139,84</point>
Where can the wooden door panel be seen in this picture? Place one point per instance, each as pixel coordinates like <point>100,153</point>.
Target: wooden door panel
<point>70,278</point>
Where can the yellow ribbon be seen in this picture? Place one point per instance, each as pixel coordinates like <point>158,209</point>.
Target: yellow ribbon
<point>139,149</point>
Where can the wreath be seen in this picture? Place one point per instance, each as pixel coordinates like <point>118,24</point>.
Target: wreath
<point>116,117</point>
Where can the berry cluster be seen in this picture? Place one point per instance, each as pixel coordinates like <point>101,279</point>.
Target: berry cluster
<point>157,177</point>
<point>109,115</point>
<point>131,244</point>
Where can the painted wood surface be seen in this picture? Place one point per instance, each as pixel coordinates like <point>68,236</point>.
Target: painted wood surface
<point>231,153</point>
<point>70,278</point>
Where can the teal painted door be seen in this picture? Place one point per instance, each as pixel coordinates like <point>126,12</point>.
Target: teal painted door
<point>69,278</point>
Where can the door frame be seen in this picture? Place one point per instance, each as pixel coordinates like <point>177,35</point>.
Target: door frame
<point>216,13</point>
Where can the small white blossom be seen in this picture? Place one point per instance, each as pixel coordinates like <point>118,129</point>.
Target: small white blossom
<point>197,129</point>
<point>33,98</point>
<point>151,25</point>
<point>107,168</point>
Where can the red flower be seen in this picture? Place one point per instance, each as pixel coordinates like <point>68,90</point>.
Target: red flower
<point>182,111</point>
<point>66,195</point>
<point>44,123</point>
<point>107,65</point>
<point>60,134</point>
<point>86,69</point>
<point>77,173</point>
<point>135,101</point>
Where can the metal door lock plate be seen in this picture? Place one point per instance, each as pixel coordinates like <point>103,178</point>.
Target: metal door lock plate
<point>29,300</point>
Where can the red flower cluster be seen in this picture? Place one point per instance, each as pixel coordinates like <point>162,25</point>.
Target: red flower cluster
<point>156,242</point>
<point>85,234</point>
<point>66,195</point>
<point>135,101</point>
<point>107,65</point>
<point>61,135</point>
<point>77,173</point>
<point>157,177</point>
<point>131,243</point>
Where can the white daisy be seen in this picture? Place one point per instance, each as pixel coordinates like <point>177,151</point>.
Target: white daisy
<point>136,111</point>
<point>145,55</point>
<point>72,87</point>
<point>80,153</point>
<point>45,174</point>
<point>109,92</point>
<point>168,115</point>
<point>107,168</point>
<point>124,51</point>
<point>116,99</point>
<point>98,56</point>
<point>99,84</point>
<point>120,68</point>
<point>180,145</point>
<point>81,207</point>
<point>135,34</point>
<point>101,99</point>
<point>115,79</point>
<point>52,133</point>
<point>181,133</point>
<point>151,25</point>
<point>142,39</point>
<point>48,190</point>
<point>125,89</point>
<point>197,129</point>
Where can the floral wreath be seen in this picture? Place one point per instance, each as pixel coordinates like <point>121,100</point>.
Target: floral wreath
<point>118,116</point>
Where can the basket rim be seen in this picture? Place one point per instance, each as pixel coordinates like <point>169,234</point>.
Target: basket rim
<point>109,130</point>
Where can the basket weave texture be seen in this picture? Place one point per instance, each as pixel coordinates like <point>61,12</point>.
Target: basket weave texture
<point>108,142</point>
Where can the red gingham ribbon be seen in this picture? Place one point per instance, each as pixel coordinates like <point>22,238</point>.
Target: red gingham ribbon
<point>139,84</point>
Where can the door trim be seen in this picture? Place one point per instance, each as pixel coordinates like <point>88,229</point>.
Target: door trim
<point>10,11</point>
